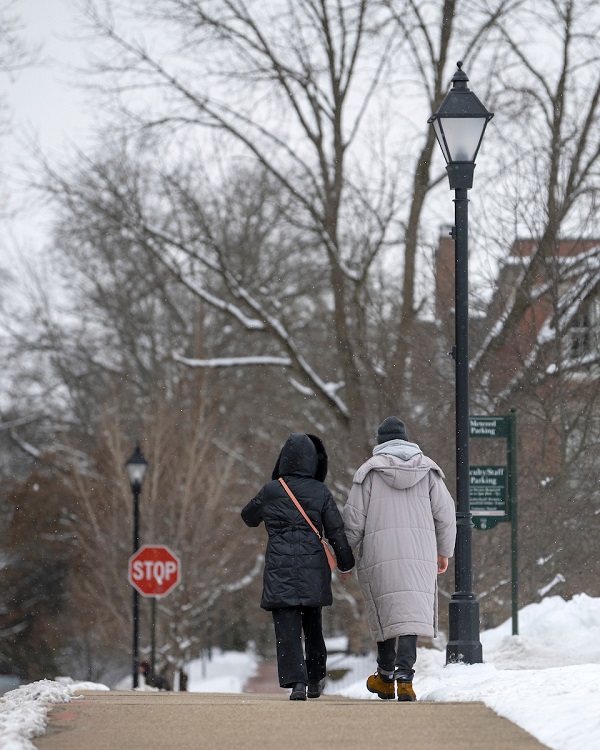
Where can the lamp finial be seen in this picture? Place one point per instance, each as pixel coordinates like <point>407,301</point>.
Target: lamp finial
<point>460,78</point>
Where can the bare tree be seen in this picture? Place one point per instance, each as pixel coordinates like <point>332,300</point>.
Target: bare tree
<point>553,106</point>
<point>186,502</point>
<point>263,229</point>
<point>306,57</point>
<point>430,36</point>
<point>37,553</point>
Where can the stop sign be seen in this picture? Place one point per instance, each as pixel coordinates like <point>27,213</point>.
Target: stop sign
<point>154,570</point>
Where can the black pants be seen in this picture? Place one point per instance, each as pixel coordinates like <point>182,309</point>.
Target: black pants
<point>292,665</point>
<point>397,656</point>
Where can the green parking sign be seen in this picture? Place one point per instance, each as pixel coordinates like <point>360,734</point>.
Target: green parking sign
<point>487,491</point>
<point>493,491</point>
<point>490,427</point>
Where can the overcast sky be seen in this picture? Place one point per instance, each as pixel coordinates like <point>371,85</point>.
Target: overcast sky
<point>43,103</point>
<point>43,98</point>
<point>46,103</point>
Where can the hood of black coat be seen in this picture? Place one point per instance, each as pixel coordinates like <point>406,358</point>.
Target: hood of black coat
<point>302,455</point>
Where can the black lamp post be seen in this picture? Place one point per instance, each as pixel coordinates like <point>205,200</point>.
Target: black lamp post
<point>459,124</point>
<point>136,471</point>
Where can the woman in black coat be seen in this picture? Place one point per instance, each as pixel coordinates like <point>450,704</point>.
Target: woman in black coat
<point>297,577</point>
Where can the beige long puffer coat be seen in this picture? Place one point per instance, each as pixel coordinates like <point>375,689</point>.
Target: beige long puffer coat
<point>398,518</point>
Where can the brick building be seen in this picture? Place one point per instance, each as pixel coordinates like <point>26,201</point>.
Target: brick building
<point>535,346</point>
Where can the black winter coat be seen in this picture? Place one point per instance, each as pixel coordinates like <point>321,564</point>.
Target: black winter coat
<point>296,569</point>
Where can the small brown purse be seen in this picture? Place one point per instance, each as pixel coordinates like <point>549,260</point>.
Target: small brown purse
<point>328,551</point>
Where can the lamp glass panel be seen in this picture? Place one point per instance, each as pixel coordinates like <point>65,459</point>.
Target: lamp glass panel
<point>440,136</point>
<point>463,135</point>
<point>136,472</point>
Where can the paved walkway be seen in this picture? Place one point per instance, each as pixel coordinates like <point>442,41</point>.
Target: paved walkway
<point>265,680</point>
<point>193,721</point>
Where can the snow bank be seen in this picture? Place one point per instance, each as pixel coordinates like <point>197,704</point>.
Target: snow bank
<point>23,712</point>
<point>546,679</point>
<point>552,633</point>
<point>225,672</point>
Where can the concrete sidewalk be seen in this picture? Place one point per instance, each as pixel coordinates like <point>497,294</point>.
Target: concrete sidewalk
<point>189,721</point>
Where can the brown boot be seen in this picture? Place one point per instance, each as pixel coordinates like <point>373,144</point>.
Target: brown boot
<point>405,691</point>
<point>385,689</point>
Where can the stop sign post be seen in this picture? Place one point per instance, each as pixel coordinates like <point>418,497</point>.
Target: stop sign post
<point>154,570</point>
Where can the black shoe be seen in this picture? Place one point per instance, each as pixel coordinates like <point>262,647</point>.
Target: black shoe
<point>315,688</point>
<point>298,692</point>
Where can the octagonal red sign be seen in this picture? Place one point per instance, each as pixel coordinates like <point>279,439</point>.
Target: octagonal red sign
<point>154,570</point>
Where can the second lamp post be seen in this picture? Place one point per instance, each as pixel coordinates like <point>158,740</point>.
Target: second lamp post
<point>459,124</point>
<point>136,471</point>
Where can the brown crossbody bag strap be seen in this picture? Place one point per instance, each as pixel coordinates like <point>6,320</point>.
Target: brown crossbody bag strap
<point>330,556</point>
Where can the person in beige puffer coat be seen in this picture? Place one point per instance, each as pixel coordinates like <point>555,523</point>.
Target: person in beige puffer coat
<point>400,521</point>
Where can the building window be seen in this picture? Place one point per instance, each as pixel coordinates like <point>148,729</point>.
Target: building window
<point>584,331</point>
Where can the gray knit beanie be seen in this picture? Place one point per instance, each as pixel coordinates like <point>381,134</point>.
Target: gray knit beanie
<point>391,428</point>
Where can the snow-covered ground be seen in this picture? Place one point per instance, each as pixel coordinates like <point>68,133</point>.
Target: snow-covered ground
<point>224,673</point>
<point>546,680</point>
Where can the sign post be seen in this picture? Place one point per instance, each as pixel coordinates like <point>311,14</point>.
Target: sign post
<point>511,457</point>
<point>154,571</point>
<point>493,491</point>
